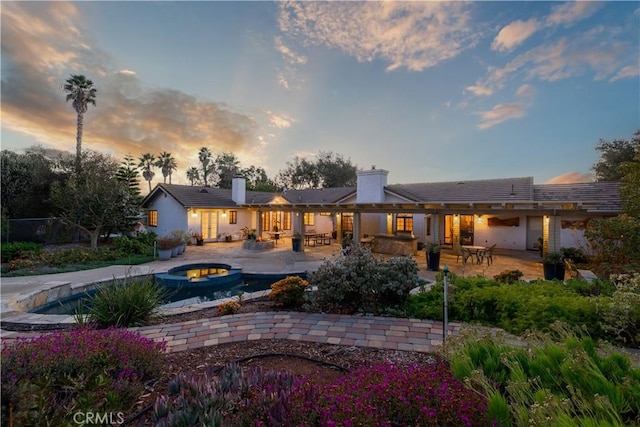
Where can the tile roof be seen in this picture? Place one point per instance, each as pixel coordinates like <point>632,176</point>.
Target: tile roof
<point>592,196</point>
<point>318,195</point>
<point>202,197</point>
<point>486,190</point>
<point>605,196</point>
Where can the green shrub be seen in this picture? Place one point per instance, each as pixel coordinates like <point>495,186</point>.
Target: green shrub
<point>14,250</point>
<point>47,379</point>
<point>593,288</point>
<point>508,276</point>
<point>576,255</point>
<point>563,381</point>
<point>621,313</point>
<point>124,303</point>
<point>357,281</point>
<point>229,307</point>
<point>289,292</point>
<point>517,307</point>
<point>131,245</point>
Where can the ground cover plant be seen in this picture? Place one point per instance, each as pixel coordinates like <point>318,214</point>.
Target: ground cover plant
<point>562,378</point>
<point>47,379</point>
<point>382,394</point>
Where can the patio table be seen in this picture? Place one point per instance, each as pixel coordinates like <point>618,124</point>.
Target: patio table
<point>475,250</point>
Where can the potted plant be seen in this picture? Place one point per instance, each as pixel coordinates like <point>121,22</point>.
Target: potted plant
<point>433,256</point>
<point>165,246</point>
<point>296,242</point>
<point>553,265</point>
<point>198,238</point>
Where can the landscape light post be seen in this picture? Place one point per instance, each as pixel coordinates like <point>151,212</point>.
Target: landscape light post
<point>445,304</point>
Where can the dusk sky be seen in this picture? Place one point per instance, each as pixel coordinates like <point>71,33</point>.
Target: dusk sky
<point>430,91</point>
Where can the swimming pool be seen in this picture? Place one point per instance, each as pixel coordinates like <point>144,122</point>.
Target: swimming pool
<point>187,284</point>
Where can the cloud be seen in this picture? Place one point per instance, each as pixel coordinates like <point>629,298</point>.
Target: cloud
<point>479,90</point>
<point>413,35</point>
<point>514,34</point>
<point>626,72</point>
<point>571,178</point>
<point>503,112</point>
<point>570,12</point>
<point>42,45</point>
<point>597,51</point>
<point>288,54</point>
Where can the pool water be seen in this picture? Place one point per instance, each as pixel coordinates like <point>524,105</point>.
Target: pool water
<point>178,296</point>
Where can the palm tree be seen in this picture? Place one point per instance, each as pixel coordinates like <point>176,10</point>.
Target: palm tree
<point>167,163</point>
<point>81,91</point>
<point>193,175</point>
<point>147,162</point>
<point>205,158</point>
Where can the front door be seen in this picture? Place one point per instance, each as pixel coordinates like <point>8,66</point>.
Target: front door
<point>209,225</point>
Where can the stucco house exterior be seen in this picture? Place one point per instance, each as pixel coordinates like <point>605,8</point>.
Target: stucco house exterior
<point>512,213</point>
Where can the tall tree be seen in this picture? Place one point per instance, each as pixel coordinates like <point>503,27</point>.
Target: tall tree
<point>327,170</point>
<point>204,156</point>
<point>225,167</point>
<point>147,162</point>
<point>193,175</point>
<point>96,199</point>
<point>612,155</point>
<point>26,182</point>
<point>81,91</point>
<point>335,171</point>
<point>167,164</point>
<point>630,182</point>
<point>257,179</point>
<point>128,172</point>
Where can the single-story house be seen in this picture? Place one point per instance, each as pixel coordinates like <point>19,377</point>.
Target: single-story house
<point>512,213</point>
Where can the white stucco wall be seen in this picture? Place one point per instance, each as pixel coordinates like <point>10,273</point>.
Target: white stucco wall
<point>171,215</point>
<point>504,237</point>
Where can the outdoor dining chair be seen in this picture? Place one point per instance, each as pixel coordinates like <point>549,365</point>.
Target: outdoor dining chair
<point>488,254</point>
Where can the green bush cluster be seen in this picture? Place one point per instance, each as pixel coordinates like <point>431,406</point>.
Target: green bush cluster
<point>125,302</point>
<point>620,314</point>
<point>357,282</point>
<point>14,250</point>
<point>564,380</point>
<point>129,250</point>
<point>47,379</point>
<point>515,307</point>
<point>509,276</point>
<point>289,292</point>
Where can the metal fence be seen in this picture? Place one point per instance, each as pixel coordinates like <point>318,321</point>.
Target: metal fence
<point>39,230</point>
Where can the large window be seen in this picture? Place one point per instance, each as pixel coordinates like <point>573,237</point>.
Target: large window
<point>152,218</point>
<point>271,220</point>
<point>404,222</point>
<point>347,222</point>
<point>308,218</point>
